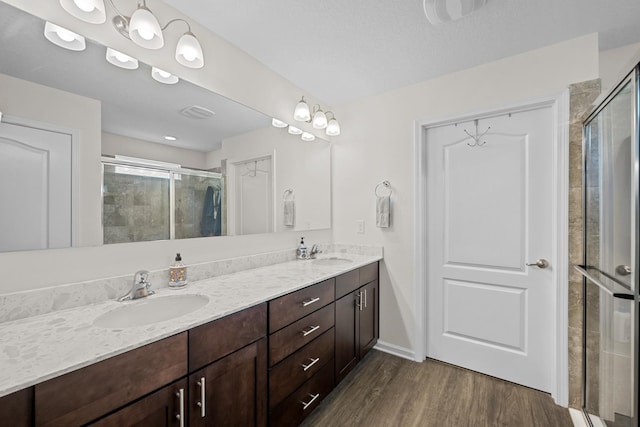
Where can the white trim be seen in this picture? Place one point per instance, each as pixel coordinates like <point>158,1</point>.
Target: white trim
<point>577,418</point>
<point>395,350</point>
<point>559,258</point>
<point>75,184</point>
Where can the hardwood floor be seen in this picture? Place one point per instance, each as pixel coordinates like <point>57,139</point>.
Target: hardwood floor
<point>385,390</point>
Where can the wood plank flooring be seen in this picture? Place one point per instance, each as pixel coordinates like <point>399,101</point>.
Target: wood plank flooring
<point>385,390</point>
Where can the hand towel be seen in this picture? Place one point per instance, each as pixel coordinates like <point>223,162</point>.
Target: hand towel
<point>289,213</point>
<point>383,207</point>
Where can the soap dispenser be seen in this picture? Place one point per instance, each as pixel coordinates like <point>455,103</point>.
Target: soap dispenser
<point>177,274</point>
<point>302,250</point>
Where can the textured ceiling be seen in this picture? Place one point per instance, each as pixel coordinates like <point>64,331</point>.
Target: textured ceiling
<point>341,50</point>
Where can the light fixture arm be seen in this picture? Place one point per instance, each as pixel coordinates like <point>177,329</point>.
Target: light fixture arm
<point>177,20</point>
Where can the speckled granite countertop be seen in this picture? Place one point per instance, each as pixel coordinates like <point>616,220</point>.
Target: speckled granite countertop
<point>39,348</point>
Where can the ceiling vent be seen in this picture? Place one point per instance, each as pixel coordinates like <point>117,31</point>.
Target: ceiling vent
<point>197,112</point>
<point>442,11</point>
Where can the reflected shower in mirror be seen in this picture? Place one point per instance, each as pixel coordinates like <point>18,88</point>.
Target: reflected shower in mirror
<point>99,109</point>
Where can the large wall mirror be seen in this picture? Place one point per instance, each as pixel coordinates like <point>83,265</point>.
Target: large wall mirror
<point>93,153</point>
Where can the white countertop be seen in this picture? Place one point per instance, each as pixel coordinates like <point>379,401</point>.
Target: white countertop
<point>35,349</point>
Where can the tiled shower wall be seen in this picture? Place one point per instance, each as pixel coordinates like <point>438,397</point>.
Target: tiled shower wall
<point>582,96</point>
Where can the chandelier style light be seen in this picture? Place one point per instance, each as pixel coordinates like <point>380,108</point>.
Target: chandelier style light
<point>142,28</point>
<point>318,118</point>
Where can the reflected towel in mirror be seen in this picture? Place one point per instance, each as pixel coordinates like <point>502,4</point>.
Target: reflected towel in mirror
<point>383,208</point>
<point>289,213</point>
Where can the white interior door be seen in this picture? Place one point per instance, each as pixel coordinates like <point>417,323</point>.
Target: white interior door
<point>490,213</point>
<point>35,188</point>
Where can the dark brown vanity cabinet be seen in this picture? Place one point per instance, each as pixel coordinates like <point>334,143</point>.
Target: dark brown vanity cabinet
<point>17,408</point>
<point>357,317</point>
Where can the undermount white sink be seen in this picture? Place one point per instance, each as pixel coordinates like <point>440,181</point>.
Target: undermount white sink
<point>331,261</point>
<point>145,311</point>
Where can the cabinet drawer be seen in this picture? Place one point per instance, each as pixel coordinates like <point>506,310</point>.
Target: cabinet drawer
<point>347,282</point>
<point>287,340</point>
<point>305,399</point>
<point>368,273</point>
<point>88,393</point>
<point>211,341</point>
<point>293,371</point>
<point>296,305</point>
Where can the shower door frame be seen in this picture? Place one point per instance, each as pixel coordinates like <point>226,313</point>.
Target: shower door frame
<point>603,101</point>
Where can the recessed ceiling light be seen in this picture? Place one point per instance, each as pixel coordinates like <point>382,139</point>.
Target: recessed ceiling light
<point>170,138</point>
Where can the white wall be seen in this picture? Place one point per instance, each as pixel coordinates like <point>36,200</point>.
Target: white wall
<point>125,146</point>
<point>616,63</point>
<point>304,167</point>
<point>27,100</point>
<point>377,144</point>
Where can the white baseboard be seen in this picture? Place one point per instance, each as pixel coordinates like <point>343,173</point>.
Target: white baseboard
<point>577,418</point>
<point>405,353</point>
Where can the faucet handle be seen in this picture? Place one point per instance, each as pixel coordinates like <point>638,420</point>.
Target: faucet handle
<point>140,278</point>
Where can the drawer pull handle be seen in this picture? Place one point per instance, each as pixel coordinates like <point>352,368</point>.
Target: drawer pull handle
<point>313,362</point>
<point>311,301</point>
<point>305,405</point>
<point>203,396</point>
<point>180,415</point>
<point>310,330</point>
<point>365,298</point>
<point>360,301</point>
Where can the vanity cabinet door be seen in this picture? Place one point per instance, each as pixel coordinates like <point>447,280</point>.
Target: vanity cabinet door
<point>164,408</point>
<point>17,408</point>
<point>347,339</point>
<point>369,318</point>
<point>231,391</point>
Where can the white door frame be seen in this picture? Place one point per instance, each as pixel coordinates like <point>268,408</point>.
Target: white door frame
<point>560,228</point>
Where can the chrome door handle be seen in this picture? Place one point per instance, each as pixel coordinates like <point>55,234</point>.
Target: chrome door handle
<point>623,270</point>
<point>203,397</point>
<point>541,263</point>
<point>180,414</point>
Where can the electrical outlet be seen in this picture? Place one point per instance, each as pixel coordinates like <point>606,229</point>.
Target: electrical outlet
<point>360,226</point>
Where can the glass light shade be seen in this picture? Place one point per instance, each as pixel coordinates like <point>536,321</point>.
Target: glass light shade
<point>91,11</point>
<point>319,120</point>
<point>301,112</point>
<point>64,38</point>
<point>308,137</point>
<point>162,76</point>
<point>144,29</point>
<point>189,51</point>
<point>278,123</point>
<point>121,60</point>
<point>333,128</point>
<point>294,130</point>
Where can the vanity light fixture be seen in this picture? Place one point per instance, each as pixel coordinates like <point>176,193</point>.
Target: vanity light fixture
<point>308,137</point>
<point>64,38</point>
<point>318,119</point>
<point>121,60</point>
<point>294,130</point>
<point>162,76</point>
<point>278,123</point>
<point>142,28</point>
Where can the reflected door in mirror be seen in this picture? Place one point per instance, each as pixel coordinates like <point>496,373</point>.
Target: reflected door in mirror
<point>35,184</point>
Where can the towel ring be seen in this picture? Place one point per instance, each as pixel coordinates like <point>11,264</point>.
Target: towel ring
<point>288,192</point>
<point>386,184</point>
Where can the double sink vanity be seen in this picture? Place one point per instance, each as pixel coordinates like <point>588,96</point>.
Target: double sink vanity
<point>257,347</point>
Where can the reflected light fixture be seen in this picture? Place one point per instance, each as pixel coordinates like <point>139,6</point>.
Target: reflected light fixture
<point>308,137</point>
<point>91,11</point>
<point>278,123</point>
<point>142,28</point>
<point>121,60</point>
<point>64,38</point>
<point>162,76</point>
<point>294,130</point>
<point>443,11</point>
<point>170,138</point>
<point>319,120</point>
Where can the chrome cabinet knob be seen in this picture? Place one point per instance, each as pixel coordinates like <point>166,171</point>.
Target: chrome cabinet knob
<point>541,263</point>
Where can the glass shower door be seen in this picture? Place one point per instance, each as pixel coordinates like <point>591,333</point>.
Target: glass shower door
<point>610,209</point>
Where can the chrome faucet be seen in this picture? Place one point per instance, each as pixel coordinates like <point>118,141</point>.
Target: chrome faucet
<point>141,287</point>
<point>315,250</point>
